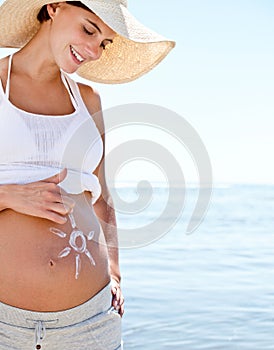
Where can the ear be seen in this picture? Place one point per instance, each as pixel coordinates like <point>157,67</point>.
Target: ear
<point>52,9</point>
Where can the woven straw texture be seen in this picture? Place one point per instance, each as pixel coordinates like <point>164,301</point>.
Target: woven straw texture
<point>134,51</point>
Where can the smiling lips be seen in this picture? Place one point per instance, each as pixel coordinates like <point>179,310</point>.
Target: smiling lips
<point>79,58</point>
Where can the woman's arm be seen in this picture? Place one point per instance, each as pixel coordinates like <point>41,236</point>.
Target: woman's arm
<point>104,207</point>
<point>106,214</point>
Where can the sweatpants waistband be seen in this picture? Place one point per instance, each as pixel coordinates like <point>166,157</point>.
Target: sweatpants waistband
<point>99,303</point>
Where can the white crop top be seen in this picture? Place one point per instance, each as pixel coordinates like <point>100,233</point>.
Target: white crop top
<point>34,147</point>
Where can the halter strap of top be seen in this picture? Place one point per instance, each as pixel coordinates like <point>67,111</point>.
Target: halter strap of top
<point>70,89</point>
<point>8,79</point>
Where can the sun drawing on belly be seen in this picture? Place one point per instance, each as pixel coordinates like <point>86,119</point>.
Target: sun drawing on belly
<point>79,247</point>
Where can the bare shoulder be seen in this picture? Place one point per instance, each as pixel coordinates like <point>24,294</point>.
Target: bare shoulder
<point>92,101</point>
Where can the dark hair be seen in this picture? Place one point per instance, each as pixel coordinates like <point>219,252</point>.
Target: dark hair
<point>43,15</point>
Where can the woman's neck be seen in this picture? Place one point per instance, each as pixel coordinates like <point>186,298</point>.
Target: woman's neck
<point>35,60</point>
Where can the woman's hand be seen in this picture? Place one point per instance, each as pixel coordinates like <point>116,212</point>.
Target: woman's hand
<point>117,297</point>
<point>42,199</point>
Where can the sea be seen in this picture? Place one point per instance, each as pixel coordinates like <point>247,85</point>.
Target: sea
<point>210,289</point>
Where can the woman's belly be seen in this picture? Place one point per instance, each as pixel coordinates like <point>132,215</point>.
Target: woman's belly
<point>43,267</point>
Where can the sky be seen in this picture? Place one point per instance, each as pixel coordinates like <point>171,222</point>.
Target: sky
<point>219,78</point>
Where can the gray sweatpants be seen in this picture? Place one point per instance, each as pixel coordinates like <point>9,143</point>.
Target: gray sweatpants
<point>93,325</point>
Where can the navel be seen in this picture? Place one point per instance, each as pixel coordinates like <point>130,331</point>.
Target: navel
<point>52,263</point>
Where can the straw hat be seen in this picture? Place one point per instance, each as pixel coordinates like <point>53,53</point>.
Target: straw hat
<point>134,51</point>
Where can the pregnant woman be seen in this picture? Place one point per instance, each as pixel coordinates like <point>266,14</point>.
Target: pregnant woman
<point>59,268</point>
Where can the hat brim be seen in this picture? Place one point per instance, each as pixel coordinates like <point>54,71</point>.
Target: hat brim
<point>134,51</point>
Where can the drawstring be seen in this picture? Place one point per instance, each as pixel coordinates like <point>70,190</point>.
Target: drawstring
<point>40,330</point>
<point>40,333</point>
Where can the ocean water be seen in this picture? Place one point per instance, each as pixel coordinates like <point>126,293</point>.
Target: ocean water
<point>212,289</point>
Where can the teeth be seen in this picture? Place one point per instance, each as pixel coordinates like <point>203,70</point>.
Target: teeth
<point>76,54</point>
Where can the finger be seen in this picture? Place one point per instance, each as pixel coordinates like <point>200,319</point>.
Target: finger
<point>114,290</point>
<point>122,310</point>
<point>118,294</point>
<point>120,307</point>
<point>58,203</point>
<point>68,201</point>
<point>65,200</point>
<point>60,208</point>
<point>117,301</point>
<point>121,302</point>
<point>57,178</point>
<point>59,219</point>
